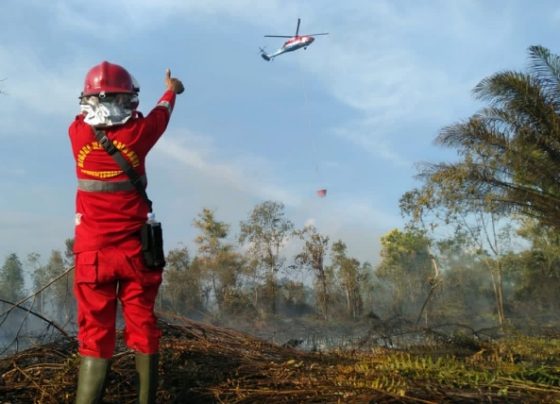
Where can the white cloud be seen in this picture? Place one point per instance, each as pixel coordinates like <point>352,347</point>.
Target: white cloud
<point>370,138</point>
<point>106,18</point>
<point>233,174</point>
<point>35,88</point>
<point>309,222</point>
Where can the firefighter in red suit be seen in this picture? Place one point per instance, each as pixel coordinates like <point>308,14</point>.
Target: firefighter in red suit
<point>109,215</point>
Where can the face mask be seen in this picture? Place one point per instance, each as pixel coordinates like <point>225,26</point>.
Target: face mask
<point>108,110</point>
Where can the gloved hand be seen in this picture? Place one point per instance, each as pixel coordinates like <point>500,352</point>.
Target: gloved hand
<point>172,83</point>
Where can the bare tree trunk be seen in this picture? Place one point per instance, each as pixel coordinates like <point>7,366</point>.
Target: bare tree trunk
<point>497,280</point>
<point>349,307</point>
<point>255,296</point>
<point>495,272</point>
<point>497,285</point>
<point>273,295</point>
<point>324,297</point>
<point>40,302</point>
<point>433,285</point>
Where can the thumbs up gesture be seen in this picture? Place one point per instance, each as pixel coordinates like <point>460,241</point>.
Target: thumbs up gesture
<point>172,83</point>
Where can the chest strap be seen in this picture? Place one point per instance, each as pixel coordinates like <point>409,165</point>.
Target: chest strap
<point>107,186</point>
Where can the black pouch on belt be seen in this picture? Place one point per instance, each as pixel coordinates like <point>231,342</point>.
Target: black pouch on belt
<point>152,245</point>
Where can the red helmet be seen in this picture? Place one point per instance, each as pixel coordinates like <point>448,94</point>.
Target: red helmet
<point>109,78</point>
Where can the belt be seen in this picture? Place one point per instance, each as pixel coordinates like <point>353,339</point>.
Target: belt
<point>107,186</point>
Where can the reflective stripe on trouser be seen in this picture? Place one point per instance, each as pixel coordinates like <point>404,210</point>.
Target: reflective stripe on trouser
<point>104,276</point>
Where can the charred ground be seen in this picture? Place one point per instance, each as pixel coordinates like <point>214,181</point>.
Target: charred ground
<point>201,363</point>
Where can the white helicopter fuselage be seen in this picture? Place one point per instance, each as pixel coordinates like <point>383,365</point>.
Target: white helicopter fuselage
<point>291,45</point>
<point>296,43</point>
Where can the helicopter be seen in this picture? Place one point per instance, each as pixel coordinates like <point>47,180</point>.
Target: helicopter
<point>293,43</point>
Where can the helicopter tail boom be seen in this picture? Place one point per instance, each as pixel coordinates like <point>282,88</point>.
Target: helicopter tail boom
<point>266,57</point>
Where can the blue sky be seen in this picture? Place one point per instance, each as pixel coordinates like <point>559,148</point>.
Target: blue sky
<point>353,113</point>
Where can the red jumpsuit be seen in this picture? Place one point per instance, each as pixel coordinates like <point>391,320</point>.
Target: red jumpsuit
<point>109,215</point>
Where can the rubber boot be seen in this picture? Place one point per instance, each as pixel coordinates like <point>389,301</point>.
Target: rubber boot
<point>146,377</point>
<point>91,380</point>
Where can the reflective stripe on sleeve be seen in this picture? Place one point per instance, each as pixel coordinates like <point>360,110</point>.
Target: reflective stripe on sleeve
<point>165,104</point>
<point>107,186</point>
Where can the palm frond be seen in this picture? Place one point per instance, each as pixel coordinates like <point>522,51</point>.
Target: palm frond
<point>546,67</point>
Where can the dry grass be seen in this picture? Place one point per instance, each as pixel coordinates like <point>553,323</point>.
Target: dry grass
<point>205,364</point>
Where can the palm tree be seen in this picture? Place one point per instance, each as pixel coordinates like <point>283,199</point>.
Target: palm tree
<point>509,156</point>
<point>510,151</point>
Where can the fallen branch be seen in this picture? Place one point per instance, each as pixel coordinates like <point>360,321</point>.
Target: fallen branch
<point>38,315</point>
<point>32,296</point>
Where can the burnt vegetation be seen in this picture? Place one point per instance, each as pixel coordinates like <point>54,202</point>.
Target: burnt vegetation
<point>201,363</point>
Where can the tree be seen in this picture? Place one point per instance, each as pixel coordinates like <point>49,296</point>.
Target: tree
<point>313,256</point>
<point>509,159</point>
<point>60,292</point>
<point>11,279</point>
<point>535,272</point>
<point>488,231</point>
<point>294,298</point>
<point>182,290</point>
<point>368,286</point>
<point>466,295</point>
<point>220,263</point>
<point>69,252</point>
<point>350,277</point>
<point>406,267</point>
<point>509,152</point>
<point>39,278</point>
<point>265,232</point>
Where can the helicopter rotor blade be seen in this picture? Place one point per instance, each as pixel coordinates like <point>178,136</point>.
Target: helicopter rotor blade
<point>297,29</point>
<point>278,36</point>
<point>322,33</point>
